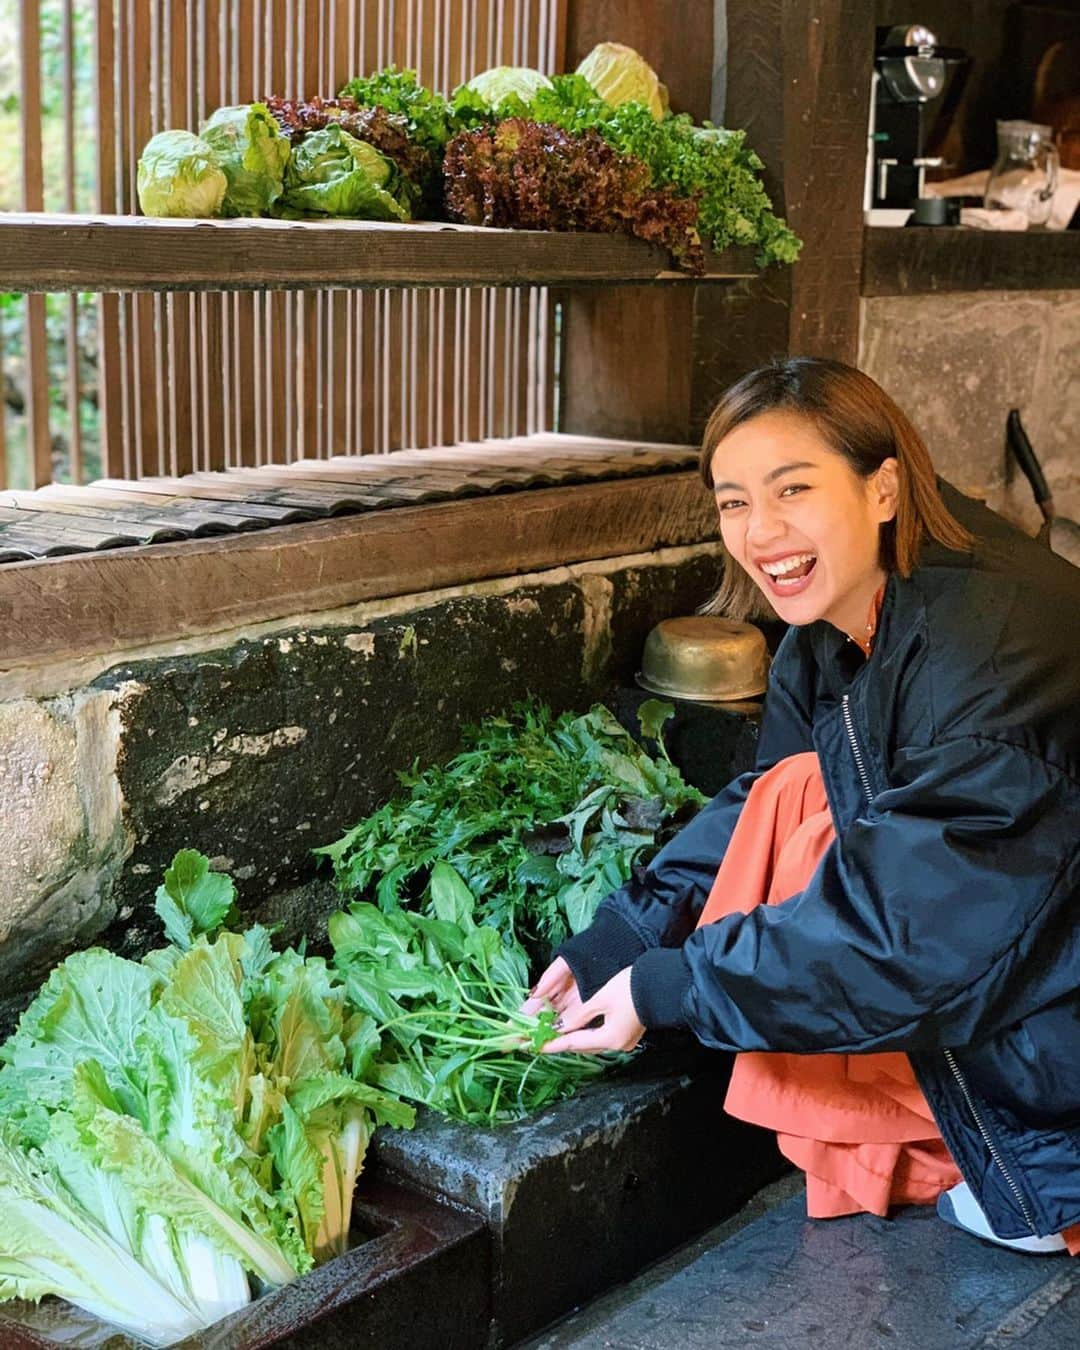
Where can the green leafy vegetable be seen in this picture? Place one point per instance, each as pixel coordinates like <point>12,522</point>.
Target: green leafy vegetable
<point>621,75</point>
<point>252,153</point>
<point>331,173</point>
<point>178,175</point>
<point>652,715</point>
<point>427,115</point>
<point>504,91</point>
<point>193,899</point>
<point>710,164</point>
<point>169,1127</point>
<point>540,817</point>
<point>446,993</point>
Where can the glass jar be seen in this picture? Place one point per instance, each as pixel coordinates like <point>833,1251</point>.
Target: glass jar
<point>1025,173</point>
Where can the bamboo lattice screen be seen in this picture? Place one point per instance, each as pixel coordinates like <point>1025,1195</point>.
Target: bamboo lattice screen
<point>215,380</point>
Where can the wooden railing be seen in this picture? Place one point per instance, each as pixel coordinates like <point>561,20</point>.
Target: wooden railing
<point>215,380</point>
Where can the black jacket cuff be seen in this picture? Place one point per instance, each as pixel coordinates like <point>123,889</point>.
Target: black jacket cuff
<point>659,981</point>
<point>600,951</point>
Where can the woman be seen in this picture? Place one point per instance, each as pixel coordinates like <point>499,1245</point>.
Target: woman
<point>891,939</point>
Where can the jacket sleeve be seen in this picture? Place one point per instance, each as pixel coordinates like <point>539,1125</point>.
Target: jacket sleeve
<point>942,915</point>
<point>662,909</point>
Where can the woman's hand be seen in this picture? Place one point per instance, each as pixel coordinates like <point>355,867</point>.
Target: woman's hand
<point>619,1030</point>
<point>556,988</point>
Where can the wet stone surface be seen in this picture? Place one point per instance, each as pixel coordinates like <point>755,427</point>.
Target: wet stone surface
<point>785,1282</point>
<point>264,750</point>
<point>588,1192</point>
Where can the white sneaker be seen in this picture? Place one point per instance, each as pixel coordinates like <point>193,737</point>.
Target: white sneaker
<point>960,1208</point>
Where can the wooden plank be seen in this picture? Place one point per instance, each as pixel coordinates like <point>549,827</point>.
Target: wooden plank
<point>58,252</point>
<point>180,590</point>
<point>925,261</point>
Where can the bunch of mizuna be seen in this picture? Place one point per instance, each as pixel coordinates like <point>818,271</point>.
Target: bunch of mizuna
<point>182,1132</point>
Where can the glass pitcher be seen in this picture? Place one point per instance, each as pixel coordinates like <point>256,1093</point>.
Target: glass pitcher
<point>1025,173</point>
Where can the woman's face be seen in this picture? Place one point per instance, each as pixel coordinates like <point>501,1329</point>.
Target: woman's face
<point>801,521</point>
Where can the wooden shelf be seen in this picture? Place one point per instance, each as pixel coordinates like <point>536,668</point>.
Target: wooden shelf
<point>924,260</point>
<point>54,252</point>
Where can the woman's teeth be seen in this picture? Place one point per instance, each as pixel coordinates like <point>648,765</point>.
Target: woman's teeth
<point>787,571</point>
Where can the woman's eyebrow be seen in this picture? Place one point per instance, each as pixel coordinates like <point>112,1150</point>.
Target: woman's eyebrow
<point>769,477</point>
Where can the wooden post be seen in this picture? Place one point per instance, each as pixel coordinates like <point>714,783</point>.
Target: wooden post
<point>626,368</point>
<point>798,82</point>
<point>650,363</point>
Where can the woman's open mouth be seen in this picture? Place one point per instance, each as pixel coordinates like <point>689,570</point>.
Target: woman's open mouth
<point>790,575</point>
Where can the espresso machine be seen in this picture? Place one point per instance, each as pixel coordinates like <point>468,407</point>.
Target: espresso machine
<point>911,71</point>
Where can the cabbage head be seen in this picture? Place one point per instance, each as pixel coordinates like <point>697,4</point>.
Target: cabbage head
<point>499,83</point>
<point>620,75</point>
<point>331,173</point>
<point>253,154</point>
<point>178,175</point>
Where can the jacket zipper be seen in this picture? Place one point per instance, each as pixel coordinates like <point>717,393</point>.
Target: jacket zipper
<point>849,724</point>
<point>950,1059</point>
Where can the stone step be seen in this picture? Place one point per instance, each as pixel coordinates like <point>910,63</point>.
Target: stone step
<point>784,1282</point>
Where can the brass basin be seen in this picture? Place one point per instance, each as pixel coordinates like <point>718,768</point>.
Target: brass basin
<point>705,658</point>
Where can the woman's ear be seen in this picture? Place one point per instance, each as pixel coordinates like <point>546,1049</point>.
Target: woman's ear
<point>885,486</point>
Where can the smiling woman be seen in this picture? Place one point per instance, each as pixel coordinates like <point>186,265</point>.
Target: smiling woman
<point>876,491</point>
<point>879,918</point>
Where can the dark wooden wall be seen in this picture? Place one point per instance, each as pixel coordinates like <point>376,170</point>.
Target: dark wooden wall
<point>651,362</point>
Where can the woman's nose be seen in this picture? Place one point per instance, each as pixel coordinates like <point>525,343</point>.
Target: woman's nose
<point>763,526</point>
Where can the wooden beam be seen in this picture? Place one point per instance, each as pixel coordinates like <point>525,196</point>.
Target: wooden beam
<point>54,252</point>
<point>111,601</point>
<point>798,83</point>
<point>929,261</point>
<point>627,360</point>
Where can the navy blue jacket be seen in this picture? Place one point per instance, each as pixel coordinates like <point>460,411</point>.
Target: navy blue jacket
<point>943,921</point>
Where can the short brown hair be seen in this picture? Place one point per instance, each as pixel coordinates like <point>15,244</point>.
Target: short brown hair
<point>857,418</point>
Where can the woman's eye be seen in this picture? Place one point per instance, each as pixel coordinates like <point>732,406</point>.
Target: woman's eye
<point>729,504</point>
<point>792,488</point>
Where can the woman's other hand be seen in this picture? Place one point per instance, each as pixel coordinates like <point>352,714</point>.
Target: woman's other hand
<point>556,988</point>
<point>620,1028</point>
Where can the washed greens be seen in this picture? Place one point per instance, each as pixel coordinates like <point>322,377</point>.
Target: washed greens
<point>444,992</point>
<point>541,816</point>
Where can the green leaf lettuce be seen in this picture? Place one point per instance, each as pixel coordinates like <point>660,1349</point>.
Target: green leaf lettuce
<point>252,154</point>
<point>332,173</point>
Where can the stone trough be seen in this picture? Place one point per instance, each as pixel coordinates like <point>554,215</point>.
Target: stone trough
<point>471,1239</point>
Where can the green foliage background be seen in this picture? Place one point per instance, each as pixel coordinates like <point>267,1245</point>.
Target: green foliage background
<point>12,335</point>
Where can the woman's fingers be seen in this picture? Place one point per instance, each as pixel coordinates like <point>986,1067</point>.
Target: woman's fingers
<point>553,988</point>
<point>593,1042</point>
<point>619,1029</point>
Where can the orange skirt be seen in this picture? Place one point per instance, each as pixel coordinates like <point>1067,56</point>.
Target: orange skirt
<point>857,1125</point>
